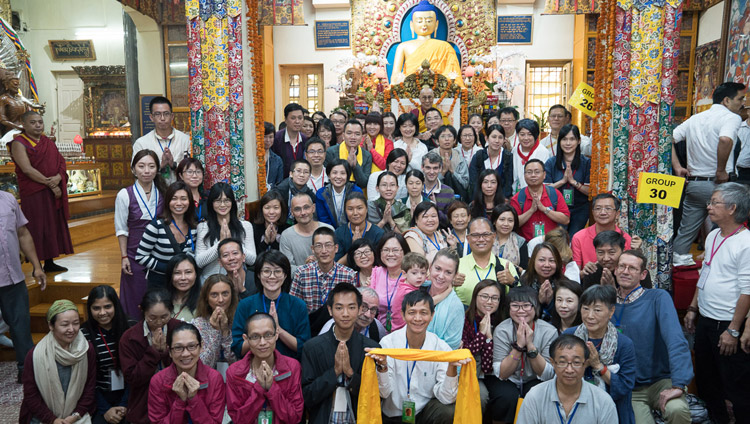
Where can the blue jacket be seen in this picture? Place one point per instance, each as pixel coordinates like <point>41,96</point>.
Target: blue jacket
<point>324,207</point>
<point>621,383</point>
<point>274,170</point>
<point>344,238</point>
<point>292,313</point>
<point>661,348</point>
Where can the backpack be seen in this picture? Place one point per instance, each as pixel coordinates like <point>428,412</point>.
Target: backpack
<point>551,193</point>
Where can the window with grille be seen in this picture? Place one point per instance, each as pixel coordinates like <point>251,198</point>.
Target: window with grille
<point>303,85</point>
<point>547,84</point>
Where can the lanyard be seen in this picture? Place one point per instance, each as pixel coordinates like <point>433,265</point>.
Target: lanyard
<point>114,362</point>
<point>485,277</point>
<point>367,331</point>
<point>188,237</point>
<point>158,141</point>
<point>333,280</point>
<point>389,298</point>
<point>180,311</point>
<point>433,189</point>
<point>263,300</point>
<point>713,251</point>
<point>434,243</point>
<point>471,154</point>
<point>570,418</point>
<point>351,233</point>
<point>200,211</point>
<point>462,243</point>
<point>312,181</point>
<point>156,199</point>
<point>409,373</point>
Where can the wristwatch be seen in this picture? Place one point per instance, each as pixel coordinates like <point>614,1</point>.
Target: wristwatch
<point>549,209</point>
<point>532,353</point>
<point>733,333</point>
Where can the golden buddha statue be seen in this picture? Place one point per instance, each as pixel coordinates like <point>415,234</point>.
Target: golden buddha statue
<point>410,54</point>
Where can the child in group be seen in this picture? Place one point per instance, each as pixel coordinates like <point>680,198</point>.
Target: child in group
<point>415,266</point>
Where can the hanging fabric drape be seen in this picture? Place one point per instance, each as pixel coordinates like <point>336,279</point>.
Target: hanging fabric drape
<point>468,406</point>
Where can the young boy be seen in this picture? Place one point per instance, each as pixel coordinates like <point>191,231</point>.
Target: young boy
<point>415,266</point>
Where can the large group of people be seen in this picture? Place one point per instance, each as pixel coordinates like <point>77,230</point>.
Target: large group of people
<point>365,240</point>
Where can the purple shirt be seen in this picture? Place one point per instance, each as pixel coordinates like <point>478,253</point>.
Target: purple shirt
<point>11,219</point>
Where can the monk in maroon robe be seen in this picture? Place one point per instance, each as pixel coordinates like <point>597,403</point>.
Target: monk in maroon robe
<point>42,185</point>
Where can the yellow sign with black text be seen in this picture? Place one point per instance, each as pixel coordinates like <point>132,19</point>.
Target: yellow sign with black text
<point>660,188</point>
<point>583,99</point>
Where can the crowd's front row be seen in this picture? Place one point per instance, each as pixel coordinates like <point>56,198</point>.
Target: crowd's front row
<point>164,370</point>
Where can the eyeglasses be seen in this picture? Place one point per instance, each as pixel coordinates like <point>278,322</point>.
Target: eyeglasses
<point>278,273</point>
<point>362,253</point>
<point>606,209</point>
<point>395,250</point>
<point>481,235</point>
<point>161,114</point>
<point>256,337</point>
<point>714,203</point>
<point>534,172</point>
<point>193,172</point>
<point>628,268</point>
<point>488,298</point>
<point>316,152</point>
<point>222,202</point>
<point>521,306</point>
<point>507,121</point>
<point>561,365</point>
<point>192,347</point>
<point>326,246</point>
<point>373,311</point>
<point>338,121</point>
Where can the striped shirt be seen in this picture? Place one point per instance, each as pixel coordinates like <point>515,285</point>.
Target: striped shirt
<point>312,285</point>
<point>156,247</point>
<point>441,195</point>
<point>104,361</point>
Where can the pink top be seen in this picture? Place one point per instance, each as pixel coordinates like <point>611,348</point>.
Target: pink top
<point>583,245</point>
<point>386,289</point>
<point>403,289</point>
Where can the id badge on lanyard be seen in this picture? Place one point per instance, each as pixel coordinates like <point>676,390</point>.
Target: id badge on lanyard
<point>568,196</point>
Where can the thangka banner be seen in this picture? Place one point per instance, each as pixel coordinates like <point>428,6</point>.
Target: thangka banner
<point>282,12</point>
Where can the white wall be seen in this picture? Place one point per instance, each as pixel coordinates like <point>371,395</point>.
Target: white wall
<point>709,24</point>
<point>99,20</point>
<point>294,45</point>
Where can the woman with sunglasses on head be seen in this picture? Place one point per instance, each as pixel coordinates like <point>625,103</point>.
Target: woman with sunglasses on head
<point>187,390</point>
<point>213,319</point>
<point>106,322</point>
<point>481,318</point>
<point>222,222</point>
<point>171,233</point>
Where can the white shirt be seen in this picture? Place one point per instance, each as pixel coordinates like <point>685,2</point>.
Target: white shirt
<point>416,153</point>
<point>519,181</point>
<point>729,275</point>
<point>316,183</point>
<point>702,132</point>
<point>743,134</point>
<point>467,155</point>
<point>289,140</point>
<point>572,272</point>
<point>338,201</point>
<point>428,380</point>
<point>372,182</point>
<point>550,143</point>
<point>122,207</point>
<point>207,256</point>
<point>513,140</point>
<point>178,143</point>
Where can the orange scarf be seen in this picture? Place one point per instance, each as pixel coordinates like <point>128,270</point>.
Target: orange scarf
<point>468,407</point>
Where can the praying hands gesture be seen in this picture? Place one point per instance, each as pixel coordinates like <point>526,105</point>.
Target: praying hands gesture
<point>219,321</point>
<point>341,364</point>
<point>159,340</point>
<point>387,215</point>
<point>264,375</point>
<point>274,314</point>
<point>525,336</point>
<point>352,159</point>
<point>271,233</point>
<point>568,176</point>
<point>447,167</point>
<point>594,361</point>
<point>185,386</point>
<point>358,231</point>
<point>166,158</point>
<point>485,326</point>
<point>367,142</point>
<point>545,293</point>
<point>225,231</point>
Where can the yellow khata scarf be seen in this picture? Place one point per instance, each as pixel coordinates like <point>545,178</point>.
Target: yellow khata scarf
<point>468,407</point>
<point>344,154</point>
<point>380,148</point>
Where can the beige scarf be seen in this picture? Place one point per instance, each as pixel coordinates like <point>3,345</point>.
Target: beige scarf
<point>46,356</point>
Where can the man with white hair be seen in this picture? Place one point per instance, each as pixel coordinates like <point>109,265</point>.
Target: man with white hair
<point>366,322</point>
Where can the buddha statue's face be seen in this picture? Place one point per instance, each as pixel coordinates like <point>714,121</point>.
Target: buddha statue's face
<point>424,23</point>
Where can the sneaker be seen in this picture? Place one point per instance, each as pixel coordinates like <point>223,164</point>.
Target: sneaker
<point>5,341</point>
<point>682,260</point>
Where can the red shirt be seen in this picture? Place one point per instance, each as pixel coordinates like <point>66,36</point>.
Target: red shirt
<point>527,230</point>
